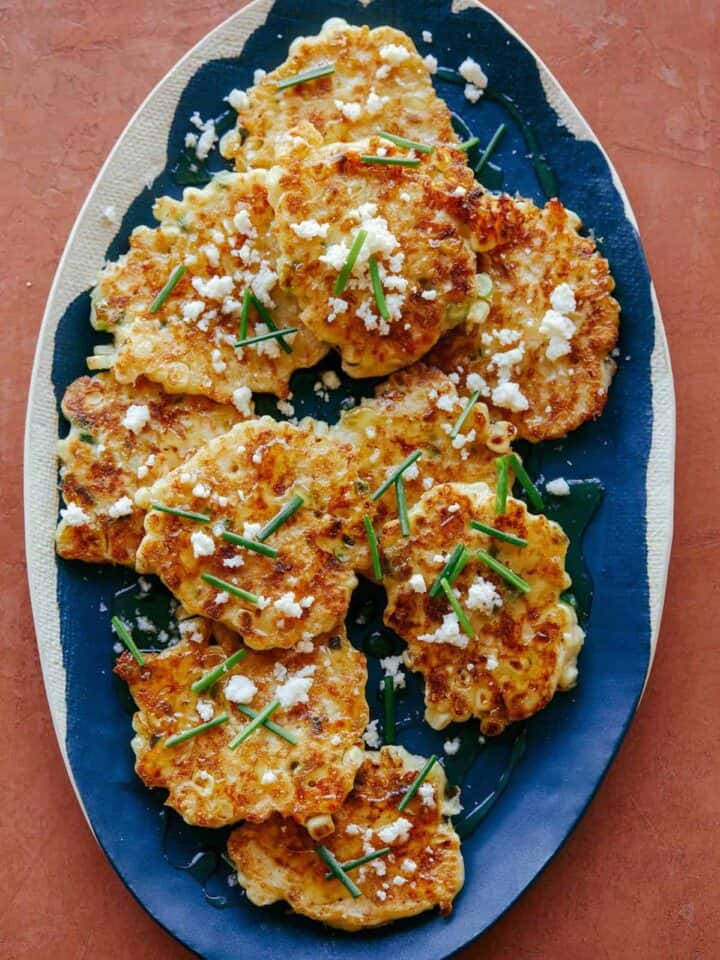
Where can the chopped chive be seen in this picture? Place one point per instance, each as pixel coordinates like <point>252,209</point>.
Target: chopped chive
<point>314,74</point>
<point>378,289</point>
<point>374,551</point>
<point>285,332</point>
<point>194,731</point>
<point>353,864</point>
<point>505,572</point>
<point>408,462</point>
<point>229,588</point>
<point>447,570</point>
<point>170,285</point>
<point>87,438</point>
<point>337,871</point>
<point>389,703</point>
<point>344,275</point>
<point>188,514</point>
<point>488,151</point>
<point>483,285</point>
<point>122,631</point>
<point>404,142</point>
<point>268,320</point>
<point>390,161</point>
<point>458,566</point>
<point>212,676</point>
<point>498,534</point>
<point>245,314</point>
<point>415,785</point>
<point>459,612</point>
<point>465,414</point>
<point>249,544</point>
<point>469,144</point>
<point>257,721</point>
<point>269,725</point>
<point>281,517</point>
<point>521,474</point>
<point>402,507</point>
<point>501,494</point>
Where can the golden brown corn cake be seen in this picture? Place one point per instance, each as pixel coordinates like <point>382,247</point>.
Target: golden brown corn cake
<point>221,236</point>
<point>379,80</point>
<point>416,409</point>
<point>277,860</point>
<point>121,439</point>
<point>524,645</point>
<point>418,227</point>
<point>543,355</point>
<point>322,688</point>
<point>240,481</point>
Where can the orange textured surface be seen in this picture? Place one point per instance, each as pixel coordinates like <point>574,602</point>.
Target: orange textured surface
<point>638,879</point>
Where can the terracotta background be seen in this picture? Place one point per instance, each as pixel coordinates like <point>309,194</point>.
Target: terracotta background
<point>639,877</point>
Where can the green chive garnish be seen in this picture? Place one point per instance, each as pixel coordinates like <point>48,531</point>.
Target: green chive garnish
<point>447,570</point>
<point>502,485</point>
<point>249,544</point>
<point>465,414</point>
<point>257,721</point>
<point>338,871</point>
<point>229,588</point>
<point>469,144</point>
<point>353,864</point>
<point>374,551</point>
<point>459,612</point>
<point>245,314</point>
<point>521,474</point>
<point>505,572</point>
<point>415,785</point>
<point>212,676</point>
<point>268,320</point>
<point>389,702</point>
<point>286,331</point>
<point>268,724</point>
<point>483,285</point>
<point>378,289</point>
<point>87,438</point>
<point>306,75</point>
<point>122,631</point>
<point>344,275</point>
<point>402,507</point>
<point>488,151</point>
<point>408,462</point>
<point>170,285</point>
<point>281,517</point>
<point>194,731</point>
<point>188,514</point>
<point>404,142</point>
<point>498,534</point>
<point>390,161</point>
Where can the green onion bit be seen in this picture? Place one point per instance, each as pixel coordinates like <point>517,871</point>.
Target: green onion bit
<point>188,514</point>
<point>402,507</point>
<point>483,285</point>
<point>170,284</point>
<point>269,724</point>
<point>501,494</point>
<point>306,75</point>
<point>338,871</point>
<point>212,676</point>
<point>374,550</point>
<point>122,631</point>
<point>378,289</point>
<point>498,534</point>
<point>390,161</point>
<point>415,785</point>
<point>464,415</point>
<point>257,721</point>
<point>245,314</point>
<point>408,462</point>
<point>281,517</point>
<point>353,864</point>
<point>229,588</point>
<point>194,731</point>
<point>268,320</point>
<point>389,702</point>
<point>505,572</point>
<point>488,151</point>
<point>459,612</point>
<point>403,142</point>
<point>344,275</point>
<point>469,144</point>
<point>270,335</point>
<point>249,544</point>
<point>533,494</point>
<point>447,571</point>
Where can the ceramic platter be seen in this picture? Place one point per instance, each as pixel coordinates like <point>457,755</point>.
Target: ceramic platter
<point>548,148</point>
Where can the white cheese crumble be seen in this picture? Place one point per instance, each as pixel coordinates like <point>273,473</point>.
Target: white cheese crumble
<point>417,583</point>
<point>268,777</point>
<point>136,417</point>
<point>560,330</point>
<point>408,865</point>
<point>472,93</point>
<point>238,100</point>
<point>242,401</point>
<point>351,111</point>
<point>427,36</point>
<point>258,75</point>
<point>562,298</point>
<point>451,747</point>
<point>391,666</point>
<point>214,288</point>
<point>431,63</point>
<point>510,396</point>
<point>483,596</point>
<point>308,229</point>
<point>372,737</point>
<point>558,487</point>
<point>471,71</point>
<point>202,544</point>
<point>240,689</point>
<point>205,710</point>
<point>251,530</point>
<point>448,632</point>
<point>74,516</point>
<point>396,832</point>
<point>394,54</point>
<point>293,691</point>
<point>121,508</point>
<point>288,605</point>
<point>427,794</point>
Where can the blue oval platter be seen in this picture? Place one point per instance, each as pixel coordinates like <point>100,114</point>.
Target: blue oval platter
<point>522,792</point>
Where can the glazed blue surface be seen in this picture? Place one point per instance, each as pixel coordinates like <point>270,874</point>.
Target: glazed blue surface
<point>572,742</point>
